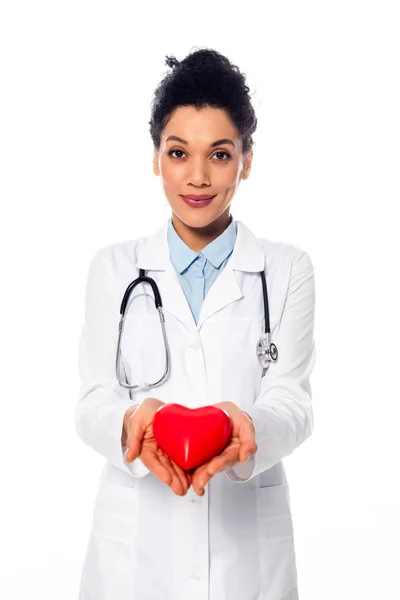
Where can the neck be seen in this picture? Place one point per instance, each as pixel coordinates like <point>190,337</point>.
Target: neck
<point>198,238</point>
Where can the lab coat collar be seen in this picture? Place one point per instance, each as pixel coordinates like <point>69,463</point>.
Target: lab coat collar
<point>153,255</point>
<point>248,253</point>
<point>216,252</point>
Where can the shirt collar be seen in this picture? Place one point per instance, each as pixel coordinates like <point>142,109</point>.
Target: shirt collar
<point>215,252</point>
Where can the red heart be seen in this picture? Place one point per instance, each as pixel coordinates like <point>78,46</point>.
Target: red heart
<point>191,436</point>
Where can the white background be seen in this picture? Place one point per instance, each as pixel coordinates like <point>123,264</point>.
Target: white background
<point>77,80</point>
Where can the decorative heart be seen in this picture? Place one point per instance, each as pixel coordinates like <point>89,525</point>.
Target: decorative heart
<point>191,436</point>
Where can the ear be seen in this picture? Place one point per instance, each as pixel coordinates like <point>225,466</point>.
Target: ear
<point>156,170</point>
<point>247,164</point>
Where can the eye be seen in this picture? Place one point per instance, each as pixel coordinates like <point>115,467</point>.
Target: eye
<point>170,153</point>
<point>223,152</point>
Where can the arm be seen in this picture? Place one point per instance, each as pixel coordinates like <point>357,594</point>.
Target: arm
<point>282,413</point>
<point>102,403</point>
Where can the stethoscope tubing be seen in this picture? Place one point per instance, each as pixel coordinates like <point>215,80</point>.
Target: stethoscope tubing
<point>265,350</point>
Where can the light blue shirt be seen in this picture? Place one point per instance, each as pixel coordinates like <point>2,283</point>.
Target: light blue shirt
<point>198,271</point>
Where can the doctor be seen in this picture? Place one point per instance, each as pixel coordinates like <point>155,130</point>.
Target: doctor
<point>223,531</point>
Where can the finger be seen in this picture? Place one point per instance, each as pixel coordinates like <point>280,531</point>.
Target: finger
<point>151,461</point>
<point>220,462</point>
<point>200,479</point>
<point>181,475</point>
<point>164,460</point>
<point>247,450</point>
<point>188,478</point>
<point>175,483</point>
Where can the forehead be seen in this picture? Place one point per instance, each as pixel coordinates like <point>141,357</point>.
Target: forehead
<point>206,124</point>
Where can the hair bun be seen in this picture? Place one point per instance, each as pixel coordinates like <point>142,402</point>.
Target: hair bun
<point>203,78</point>
<point>172,61</point>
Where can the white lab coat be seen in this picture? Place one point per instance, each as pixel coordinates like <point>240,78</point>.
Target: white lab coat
<point>236,542</point>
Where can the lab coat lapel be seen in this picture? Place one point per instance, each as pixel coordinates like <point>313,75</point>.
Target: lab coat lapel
<point>153,255</point>
<point>223,291</point>
<point>248,255</point>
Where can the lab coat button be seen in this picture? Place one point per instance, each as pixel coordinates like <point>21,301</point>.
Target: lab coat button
<point>195,345</point>
<point>195,500</point>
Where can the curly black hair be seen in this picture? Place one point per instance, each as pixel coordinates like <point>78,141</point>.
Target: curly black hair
<point>205,78</point>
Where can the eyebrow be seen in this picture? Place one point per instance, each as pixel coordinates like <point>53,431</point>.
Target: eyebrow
<point>216,143</point>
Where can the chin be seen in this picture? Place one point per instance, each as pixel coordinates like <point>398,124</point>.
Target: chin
<point>197,220</point>
<point>197,217</point>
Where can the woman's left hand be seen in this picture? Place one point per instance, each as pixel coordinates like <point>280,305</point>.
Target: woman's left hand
<point>242,446</point>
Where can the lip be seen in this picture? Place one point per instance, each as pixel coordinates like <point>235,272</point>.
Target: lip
<point>197,201</point>
<point>198,196</point>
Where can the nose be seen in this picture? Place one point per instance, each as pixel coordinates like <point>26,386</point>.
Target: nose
<point>198,173</point>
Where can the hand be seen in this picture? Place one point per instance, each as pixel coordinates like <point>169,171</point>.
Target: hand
<point>138,425</point>
<point>242,446</point>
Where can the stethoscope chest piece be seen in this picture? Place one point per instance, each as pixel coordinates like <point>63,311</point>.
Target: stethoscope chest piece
<point>266,351</point>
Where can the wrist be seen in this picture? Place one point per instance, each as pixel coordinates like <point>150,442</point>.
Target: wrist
<point>248,416</point>
<point>128,413</point>
<point>228,406</point>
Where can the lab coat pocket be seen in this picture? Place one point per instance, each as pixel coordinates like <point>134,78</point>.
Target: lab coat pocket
<point>108,570</point>
<point>114,512</point>
<point>276,543</point>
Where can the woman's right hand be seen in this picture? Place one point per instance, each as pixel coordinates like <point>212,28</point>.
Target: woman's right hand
<point>138,427</point>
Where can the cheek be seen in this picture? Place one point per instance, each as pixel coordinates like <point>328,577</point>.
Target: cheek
<point>169,179</point>
<point>229,191</point>
<point>232,187</point>
<point>171,175</point>
<point>227,180</point>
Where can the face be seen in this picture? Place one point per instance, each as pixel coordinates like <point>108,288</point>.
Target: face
<point>193,165</point>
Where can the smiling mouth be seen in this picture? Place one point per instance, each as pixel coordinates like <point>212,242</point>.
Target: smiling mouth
<point>198,197</point>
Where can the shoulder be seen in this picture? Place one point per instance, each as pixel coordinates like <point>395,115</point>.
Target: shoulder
<point>281,254</point>
<point>288,266</point>
<point>112,267</point>
<point>290,273</point>
<point>118,255</point>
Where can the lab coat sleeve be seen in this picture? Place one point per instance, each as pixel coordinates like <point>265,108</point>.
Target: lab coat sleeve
<point>102,402</point>
<point>282,412</point>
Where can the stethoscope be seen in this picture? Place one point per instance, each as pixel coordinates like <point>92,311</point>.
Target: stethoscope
<point>266,351</point>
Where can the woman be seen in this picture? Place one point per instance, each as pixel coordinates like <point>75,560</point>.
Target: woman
<point>224,530</point>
